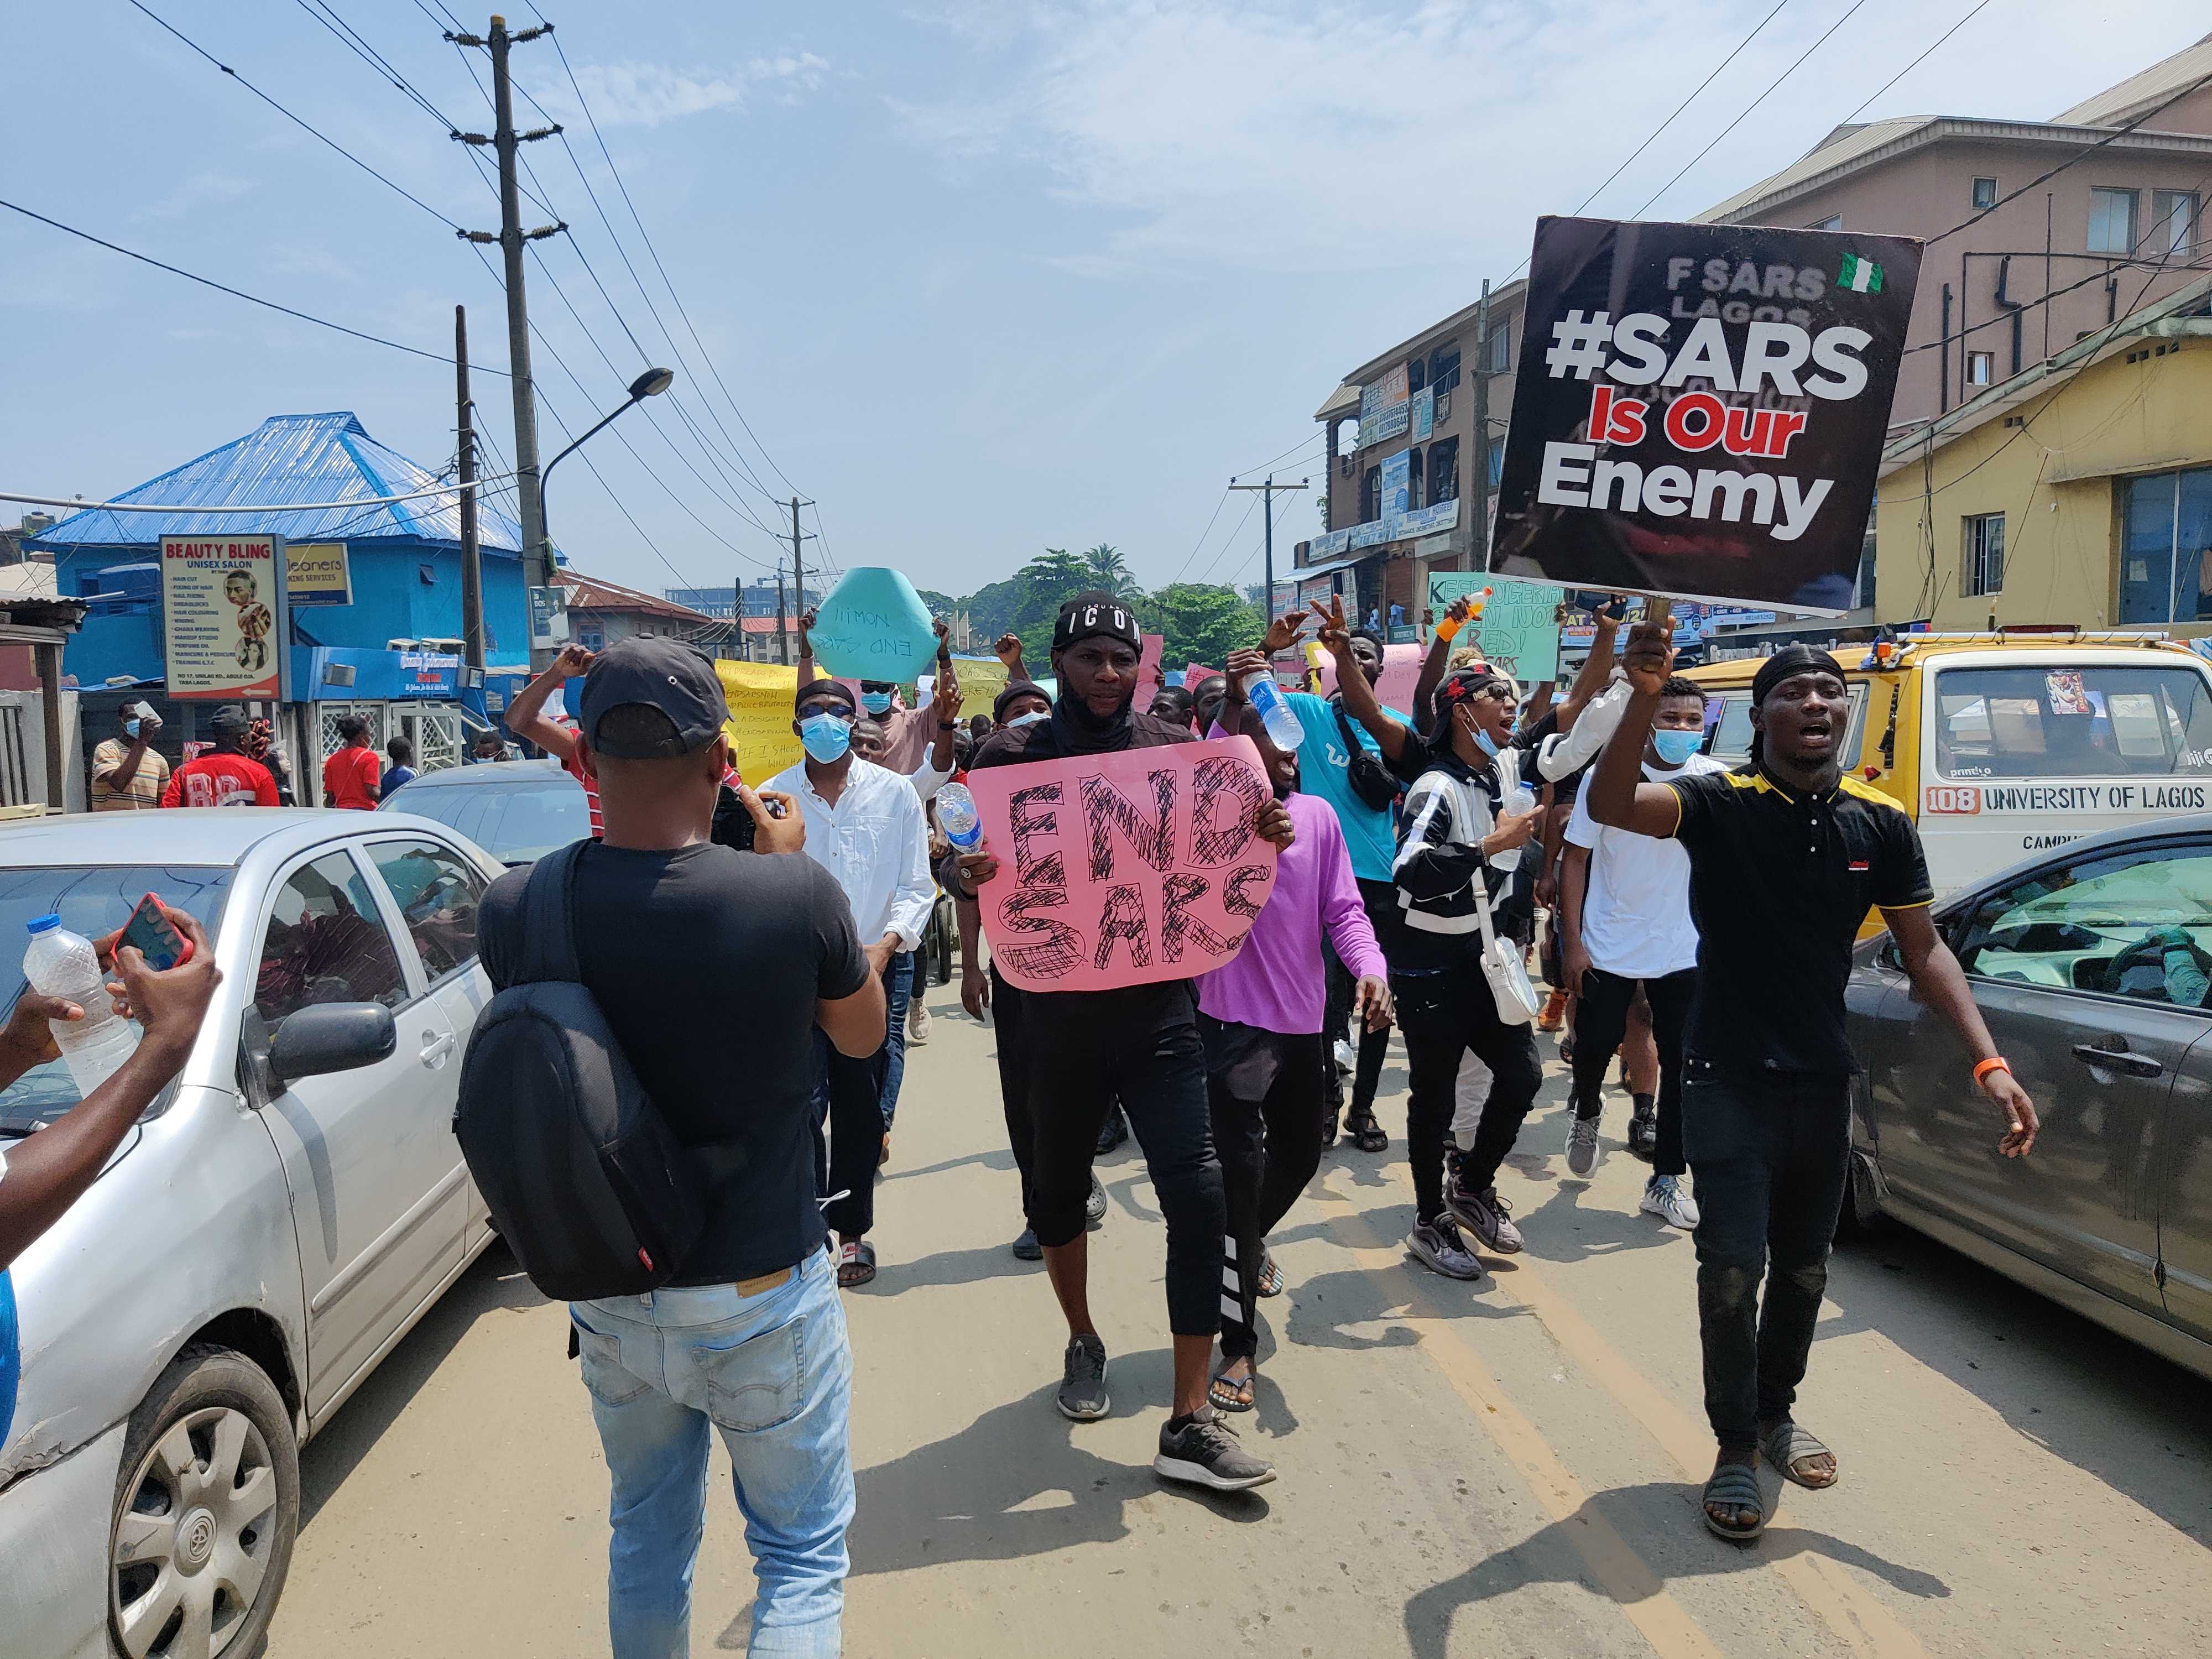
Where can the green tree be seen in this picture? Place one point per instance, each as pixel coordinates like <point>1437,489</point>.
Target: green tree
<point>1204,621</point>
<point>1110,570</point>
<point>1044,584</point>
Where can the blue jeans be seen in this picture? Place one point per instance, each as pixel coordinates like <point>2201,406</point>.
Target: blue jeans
<point>898,989</point>
<point>774,1375</point>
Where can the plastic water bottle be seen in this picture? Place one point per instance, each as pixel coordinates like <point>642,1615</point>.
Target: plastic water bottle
<point>957,816</point>
<point>1284,729</point>
<point>63,965</point>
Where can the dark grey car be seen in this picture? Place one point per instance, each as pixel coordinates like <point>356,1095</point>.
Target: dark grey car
<point>2092,967</point>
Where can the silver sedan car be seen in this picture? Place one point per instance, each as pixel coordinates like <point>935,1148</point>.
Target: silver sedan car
<point>272,1227</point>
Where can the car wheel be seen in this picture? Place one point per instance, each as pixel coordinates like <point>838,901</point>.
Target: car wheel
<point>206,1510</point>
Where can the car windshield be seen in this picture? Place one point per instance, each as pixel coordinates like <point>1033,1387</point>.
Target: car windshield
<point>516,823</point>
<point>2065,721</point>
<point>91,901</point>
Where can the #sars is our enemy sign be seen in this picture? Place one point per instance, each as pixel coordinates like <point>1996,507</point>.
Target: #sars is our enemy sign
<point>1700,409</point>
<point>1124,868</point>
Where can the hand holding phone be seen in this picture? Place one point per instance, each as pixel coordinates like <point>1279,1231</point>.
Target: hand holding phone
<point>154,936</point>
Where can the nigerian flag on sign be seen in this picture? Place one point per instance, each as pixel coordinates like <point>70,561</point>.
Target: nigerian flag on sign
<point>1859,275</point>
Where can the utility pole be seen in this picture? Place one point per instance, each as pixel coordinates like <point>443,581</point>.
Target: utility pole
<point>782,628</point>
<point>537,553</point>
<point>797,562</point>
<point>1268,512</point>
<point>1478,540</point>
<point>472,635</point>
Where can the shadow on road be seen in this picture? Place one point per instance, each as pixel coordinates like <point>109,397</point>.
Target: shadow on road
<point>949,1267</point>
<point>1667,1542</point>
<point>1014,1483</point>
<point>492,1285</point>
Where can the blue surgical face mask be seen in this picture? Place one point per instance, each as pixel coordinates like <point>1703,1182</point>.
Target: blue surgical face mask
<point>1676,747</point>
<point>1484,742</point>
<point>826,736</point>
<point>131,729</point>
<point>1029,719</point>
<point>875,701</point>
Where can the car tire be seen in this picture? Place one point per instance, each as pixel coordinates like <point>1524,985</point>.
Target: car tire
<point>207,1509</point>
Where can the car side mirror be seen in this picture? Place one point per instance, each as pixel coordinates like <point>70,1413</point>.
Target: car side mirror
<point>332,1036</point>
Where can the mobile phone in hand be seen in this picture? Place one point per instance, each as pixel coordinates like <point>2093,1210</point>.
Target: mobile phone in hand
<point>154,936</point>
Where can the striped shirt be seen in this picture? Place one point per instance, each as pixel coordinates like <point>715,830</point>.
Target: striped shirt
<point>142,793</point>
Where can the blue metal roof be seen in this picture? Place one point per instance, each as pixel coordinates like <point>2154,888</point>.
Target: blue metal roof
<point>290,458</point>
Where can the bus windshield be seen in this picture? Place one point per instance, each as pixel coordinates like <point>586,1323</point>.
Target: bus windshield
<point>2042,721</point>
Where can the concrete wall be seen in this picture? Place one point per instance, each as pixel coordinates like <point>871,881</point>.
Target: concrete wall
<point>2056,481</point>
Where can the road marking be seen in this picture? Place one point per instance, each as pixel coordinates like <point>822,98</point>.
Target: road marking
<point>1618,1570</point>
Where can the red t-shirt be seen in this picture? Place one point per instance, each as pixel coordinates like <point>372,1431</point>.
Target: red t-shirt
<point>574,768</point>
<point>221,780</point>
<point>350,778</point>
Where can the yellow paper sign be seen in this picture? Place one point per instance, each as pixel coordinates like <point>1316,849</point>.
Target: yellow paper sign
<point>760,696</point>
<point>981,679</point>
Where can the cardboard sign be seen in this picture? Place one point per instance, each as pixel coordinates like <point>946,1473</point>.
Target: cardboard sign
<point>1401,672</point>
<point>1700,409</point>
<point>873,626</point>
<point>1194,673</point>
<point>981,679</point>
<point>1148,664</point>
<point>1124,868</point>
<point>760,696</point>
<point>225,618</point>
<point>1519,627</point>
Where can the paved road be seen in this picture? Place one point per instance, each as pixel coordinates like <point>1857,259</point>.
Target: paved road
<point>1498,1470</point>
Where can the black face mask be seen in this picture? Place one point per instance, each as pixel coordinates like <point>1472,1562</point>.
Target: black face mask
<point>1077,731</point>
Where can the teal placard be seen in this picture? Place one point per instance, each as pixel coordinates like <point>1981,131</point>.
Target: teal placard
<point>1518,630</point>
<point>873,626</point>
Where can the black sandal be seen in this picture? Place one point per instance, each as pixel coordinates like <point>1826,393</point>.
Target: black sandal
<point>856,1263</point>
<point>1366,1133</point>
<point>1786,1446</point>
<point>1226,1394</point>
<point>1270,1276</point>
<point>1735,1486</point>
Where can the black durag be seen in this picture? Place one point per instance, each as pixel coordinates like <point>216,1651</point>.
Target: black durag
<point>1787,663</point>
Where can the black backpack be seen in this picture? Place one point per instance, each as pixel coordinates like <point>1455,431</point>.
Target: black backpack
<point>1369,779</point>
<point>585,1179</point>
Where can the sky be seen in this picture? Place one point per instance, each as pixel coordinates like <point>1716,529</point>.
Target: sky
<point>976,279</point>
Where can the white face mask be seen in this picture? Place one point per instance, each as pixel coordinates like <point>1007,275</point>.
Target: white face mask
<point>1029,719</point>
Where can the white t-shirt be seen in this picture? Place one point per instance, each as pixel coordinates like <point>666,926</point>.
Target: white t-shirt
<point>1636,914</point>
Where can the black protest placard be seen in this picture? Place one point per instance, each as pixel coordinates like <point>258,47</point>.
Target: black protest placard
<point>1699,409</point>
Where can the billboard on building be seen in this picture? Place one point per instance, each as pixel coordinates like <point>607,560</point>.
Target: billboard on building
<point>225,619</point>
<point>1385,409</point>
<point>1707,412</point>
<point>318,573</point>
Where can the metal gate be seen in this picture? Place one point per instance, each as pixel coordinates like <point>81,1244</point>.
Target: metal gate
<point>436,731</point>
<point>327,740</point>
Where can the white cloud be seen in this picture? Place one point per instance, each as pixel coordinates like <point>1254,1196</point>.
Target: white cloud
<point>646,94</point>
<point>1344,135</point>
<point>200,190</point>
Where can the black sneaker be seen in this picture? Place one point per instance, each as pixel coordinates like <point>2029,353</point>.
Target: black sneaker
<point>1082,1397</point>
<point>1644,1133</point>
<point>1027,1248</point>
<point>1113,1132</point>
<point>1094,1207</point>
<point>1204,1452</point>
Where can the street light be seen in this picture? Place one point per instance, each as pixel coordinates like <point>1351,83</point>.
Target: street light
<point>651,384</point>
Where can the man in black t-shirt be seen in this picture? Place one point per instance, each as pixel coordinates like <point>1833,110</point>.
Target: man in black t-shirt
<point>1787,855</point>
<point>673,931</point>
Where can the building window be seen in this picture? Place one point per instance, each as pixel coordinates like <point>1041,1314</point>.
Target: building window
<point>1370,495</point>
<point>1443,470</point>
<point>2173,222</point>
<point>1415,477</point>
<point>1347,435</point>
<point>2112,221</point>
<point>1982,568</point>
<point>1497,461</point>
<point>592,639</point>
<point>1985,192</point>
<point>2165,548</point>
<point>1833,221</point>
<point>1443,368</point>
<point>1978,366</point>
<point>1497,348</point>
<point>1417,373</point>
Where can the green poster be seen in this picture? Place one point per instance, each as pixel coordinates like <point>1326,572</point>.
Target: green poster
<point>1519,628</point>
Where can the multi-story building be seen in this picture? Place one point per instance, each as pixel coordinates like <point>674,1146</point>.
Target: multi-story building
<point>760,598</point>
<point>2044,264</point>
<point>602,612</point>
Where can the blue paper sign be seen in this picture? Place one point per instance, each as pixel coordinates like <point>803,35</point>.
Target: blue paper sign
<point>873,626</point>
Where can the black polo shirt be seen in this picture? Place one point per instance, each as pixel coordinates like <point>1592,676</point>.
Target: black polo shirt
<point>1779,883</point>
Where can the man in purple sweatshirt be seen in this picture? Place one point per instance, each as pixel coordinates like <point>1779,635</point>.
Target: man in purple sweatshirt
<point>1268,1062</point>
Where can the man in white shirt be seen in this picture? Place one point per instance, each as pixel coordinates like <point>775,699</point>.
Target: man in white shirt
<point>865,825</point>
<point>1625,920</point>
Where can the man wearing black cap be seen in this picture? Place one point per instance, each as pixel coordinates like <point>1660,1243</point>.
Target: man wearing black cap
<point>673,931</point>
<point>1787,855</point>
<point>1141,1042</point>
<point>226,776</point>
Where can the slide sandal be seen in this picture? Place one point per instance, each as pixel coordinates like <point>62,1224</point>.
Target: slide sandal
<point>1786,1446</point>
<point>856,1263</point>
<point>1733,1486</point>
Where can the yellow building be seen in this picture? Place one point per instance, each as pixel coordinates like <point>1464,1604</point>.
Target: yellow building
<point>2078,492</point>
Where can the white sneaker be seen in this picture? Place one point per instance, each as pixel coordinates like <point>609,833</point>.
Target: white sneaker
<point>1345,1059</point>
<point>917,1023</point>
<point>1437,1246</point>
<point>1582,1150</point>
<point>1663,1197</point>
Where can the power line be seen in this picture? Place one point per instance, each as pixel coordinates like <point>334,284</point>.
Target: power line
<point>352,41</point>
<point>1915,62</point>
<point>80,504</point>
<point>1203,534</point>
<point>1849,14</point>
<point>236,292</point>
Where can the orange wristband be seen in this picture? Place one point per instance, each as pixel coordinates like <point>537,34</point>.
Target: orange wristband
<point>1994,1063</point>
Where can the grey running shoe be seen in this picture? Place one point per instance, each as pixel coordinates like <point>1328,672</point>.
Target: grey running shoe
<point>1094,1207</point>
<point>1082,1397</point>
<point>1581,1145</point>
<point>1027,1248</point>
<point>1663,1197</point>
<point>1487,1216</point>
<point>1204,1452</point>
<point>1437,1246</point>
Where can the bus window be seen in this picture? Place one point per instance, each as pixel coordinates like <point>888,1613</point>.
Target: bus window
<point>2045,721</point>
<point>1731,738</point>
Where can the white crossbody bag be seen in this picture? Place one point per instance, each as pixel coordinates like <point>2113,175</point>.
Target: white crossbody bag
<point>1502,965</point>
